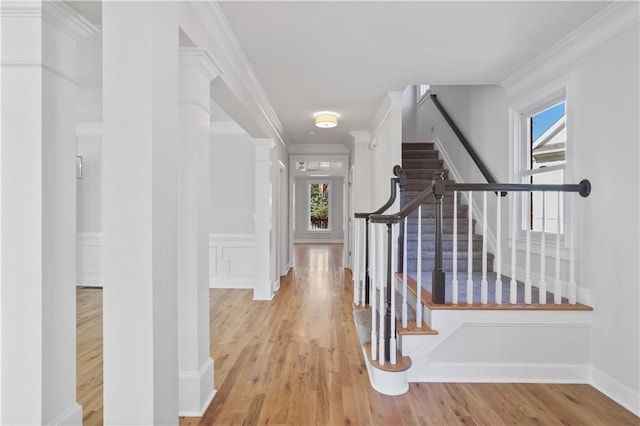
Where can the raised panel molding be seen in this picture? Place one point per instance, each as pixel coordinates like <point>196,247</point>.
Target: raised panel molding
<point>232,261</point>
<point>89,259</point>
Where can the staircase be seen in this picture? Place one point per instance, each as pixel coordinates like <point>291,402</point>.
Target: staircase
<point>420,162</point>
<point>461,342</point>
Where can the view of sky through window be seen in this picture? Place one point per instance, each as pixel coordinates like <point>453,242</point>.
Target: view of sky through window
<point>545,119</point>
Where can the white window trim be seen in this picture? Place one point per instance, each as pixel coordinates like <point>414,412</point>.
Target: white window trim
<point>523,105</point>
<point>329,184</point>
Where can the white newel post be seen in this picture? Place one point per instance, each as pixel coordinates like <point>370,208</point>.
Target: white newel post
<point>263,217</point>
<point>197,69</point>
<point>38,223</point>
<point>140,187</point>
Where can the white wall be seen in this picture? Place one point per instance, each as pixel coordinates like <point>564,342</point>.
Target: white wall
<point>232,192</point>
<point>606,152</point>
<point>89,206</point>
<point>603,112</point>
<point>89,106</point>
<point>386,138</point>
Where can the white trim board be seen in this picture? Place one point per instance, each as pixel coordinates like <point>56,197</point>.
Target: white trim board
<point>615,390</point>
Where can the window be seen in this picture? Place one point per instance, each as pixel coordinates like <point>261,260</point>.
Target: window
<point>544,136</point>
<point>422,91</point>
<point>319,206</point>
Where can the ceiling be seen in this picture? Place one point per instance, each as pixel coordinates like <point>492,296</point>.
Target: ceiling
<point>345,56</point>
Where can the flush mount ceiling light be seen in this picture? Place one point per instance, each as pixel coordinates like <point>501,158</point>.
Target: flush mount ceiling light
<point>326,119</point>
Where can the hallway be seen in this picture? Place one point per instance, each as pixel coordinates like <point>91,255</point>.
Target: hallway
<point>296,360</point>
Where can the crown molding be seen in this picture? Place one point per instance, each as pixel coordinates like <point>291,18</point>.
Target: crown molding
<point>392,102</point>
<point>57,13</point>
<point>226,128</point>
<point>66,19</point>
<point>606,24</point>
<point>218,27</point>
<point>200,60</point>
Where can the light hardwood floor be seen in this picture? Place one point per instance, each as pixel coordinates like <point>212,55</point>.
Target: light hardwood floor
<point>296,361</point>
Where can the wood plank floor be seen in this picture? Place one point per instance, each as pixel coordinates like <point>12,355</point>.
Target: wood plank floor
<point>296,361</point>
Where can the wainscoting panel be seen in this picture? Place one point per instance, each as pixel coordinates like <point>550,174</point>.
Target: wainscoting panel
<point>89,259</point>
<point>232,260</point>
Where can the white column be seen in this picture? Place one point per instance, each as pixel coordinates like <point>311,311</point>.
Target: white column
<point>38,220</point>
<point>197,69</point>
<point>263,218</point>
<point>140,186</point>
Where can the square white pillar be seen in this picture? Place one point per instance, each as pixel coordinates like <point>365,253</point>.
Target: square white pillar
<point>263,218</point>
<point>140,169</point>
<point>196,387</point>
<point>38,223</point>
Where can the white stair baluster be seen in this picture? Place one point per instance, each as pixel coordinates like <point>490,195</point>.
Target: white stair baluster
<point>394,269</point>
<point>542,287</point>
<point>484,284</point>
<point>573,293</point>
<point>498,258</point>
<point>470,250</point>
<point>527,279</point>
<point>454,279</point>
<point>405,313</point>
<point>419,272</point>
<point>356,261</point>
<point>513,284</point>
<point>373,278</point>
<point>363,272</point>
<point>557,291</point>
<point>381,281</point>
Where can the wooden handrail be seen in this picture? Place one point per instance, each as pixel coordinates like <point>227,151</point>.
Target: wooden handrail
<point>400,180</point>
<point>474,155</point>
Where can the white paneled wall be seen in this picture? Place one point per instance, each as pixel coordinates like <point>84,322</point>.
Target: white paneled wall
<point>231,260</point>
<point>89,259</point>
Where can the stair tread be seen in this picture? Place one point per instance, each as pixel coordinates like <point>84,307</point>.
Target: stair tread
<point>427,300</point>
<point>403,362</point>
<point>413,330</point>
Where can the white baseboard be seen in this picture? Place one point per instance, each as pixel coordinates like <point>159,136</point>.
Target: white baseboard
<point>196,390</point>
<point>615,390</point>
<point>502,373</point>
<point>318,241</point>
<point>231,282</point>
<point>72,416</point>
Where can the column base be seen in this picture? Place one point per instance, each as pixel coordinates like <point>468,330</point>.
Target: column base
<point>196,390</point>
<point>70,416</point>
<point>263,291</point>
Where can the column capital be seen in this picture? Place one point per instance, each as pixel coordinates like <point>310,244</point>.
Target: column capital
<point>360,136</point>
<point>263,142</point>
<point>199,59</point>
<point>58,14</point>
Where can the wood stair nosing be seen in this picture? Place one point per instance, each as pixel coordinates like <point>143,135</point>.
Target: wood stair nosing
<point>413,330</point>
<point>427,301</point>
<point>403,363</point>
<point>408,146</point>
